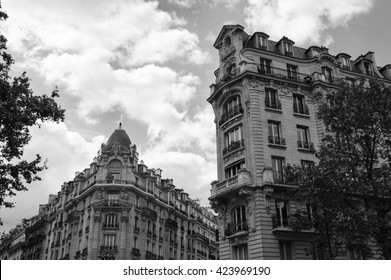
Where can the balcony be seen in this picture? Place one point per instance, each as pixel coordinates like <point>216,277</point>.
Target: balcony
<point>135,252</point>
<point>110,226</point>
<point>278,141</point>
<point>272,104</point>
<point>73,216</point>
<point>284,74</point>
<point>148,255</point>
<point>230,113</point>
<point>233,146</point>
<point>301,109</point>
<point>306,146</point>
<point>278,177</point>
<point>232,183</point>
<point>149,213</point>
<point>236,227</point>
<point>171,224</point>
<point>279,223</point>
<point>283,228</point>
<point>114,181</point>
<point>108,249</point>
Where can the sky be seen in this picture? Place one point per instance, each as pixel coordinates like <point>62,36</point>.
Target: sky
<point>149,65</point>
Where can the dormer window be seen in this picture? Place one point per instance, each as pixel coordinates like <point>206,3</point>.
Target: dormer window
<point>262,42</point>
<point>345,63</point>
<point>368,68</point>
<point>288,49</point>
<point>315,53</point>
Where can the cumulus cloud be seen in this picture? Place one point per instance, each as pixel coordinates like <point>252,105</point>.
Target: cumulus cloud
<point>117,55</point>
<point>304,21</point>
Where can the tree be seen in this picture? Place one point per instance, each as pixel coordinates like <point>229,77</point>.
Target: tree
<point>20,109</point>
<point>351,183</point>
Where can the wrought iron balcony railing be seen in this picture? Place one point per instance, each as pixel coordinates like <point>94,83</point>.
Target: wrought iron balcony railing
<point>306,145</point>
<point>277,140</point>
<point>278,177</point>
<point>273,104</point>
<point>110,226</point>
<point>109,248</point>
<point>303,110</point>
<point>235,227</point>
<point>285,74</point>
<point>149,213</point>
<point>230,113</point>
<point>278,222</point>
<point>233,146</point>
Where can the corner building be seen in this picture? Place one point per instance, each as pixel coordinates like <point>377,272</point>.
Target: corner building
<point>265,99</point>
<point>118,208</point>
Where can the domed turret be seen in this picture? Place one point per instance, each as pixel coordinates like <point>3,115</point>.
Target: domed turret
<point>120,136</point>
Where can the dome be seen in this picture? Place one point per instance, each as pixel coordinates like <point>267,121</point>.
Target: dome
<point>120,136</point>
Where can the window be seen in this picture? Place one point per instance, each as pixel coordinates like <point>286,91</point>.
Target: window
<point>233,139</point>
<point>345,63</point>
<point>327,75</point>
<point>271,99</point>
<point>303,137</point>
<point>232,103</point>
<point>115,167</point>
<point>112,198</point>
<point>231,108</point>
<point>262,42</point>
<point>111,221</point>
<point>238,221</point>
<point>292,71</point>
<point>288,49</point>
<point>136,227</point>
<point>368,68</point>
<point>109,241</point>
<point>278,169</point>
<point>240,252</point>
<point>311,212</point>
<point>233,169</point>
<point>265,66</point>
<point>299,106</point>
<point>281,213</point>
<point>285,250</point>
<point>350,81</point>
<point>239,214</point>
<point>275,136</point>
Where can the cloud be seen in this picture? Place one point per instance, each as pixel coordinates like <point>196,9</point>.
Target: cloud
<point>303,21</point>
<point>66,151</point>
<point>183,3</point>
<point>119,55</point>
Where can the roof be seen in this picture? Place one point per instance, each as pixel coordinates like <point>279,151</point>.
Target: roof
<point>120,136</point>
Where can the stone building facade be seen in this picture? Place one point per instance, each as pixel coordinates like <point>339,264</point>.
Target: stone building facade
<point>265,98</point>
<point>118,208</point>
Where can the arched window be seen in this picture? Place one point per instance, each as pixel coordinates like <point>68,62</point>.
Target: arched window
<point>231,108</point>
<point>327,72</point>
<point>238,220</point>
<point>115,167</point>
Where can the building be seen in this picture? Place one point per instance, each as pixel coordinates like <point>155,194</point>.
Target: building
<point>264,99</point>
<point>118,208</point>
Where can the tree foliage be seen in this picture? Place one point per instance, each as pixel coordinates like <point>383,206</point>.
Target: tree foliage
<point>20,109</point>
<point>351,183</point>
